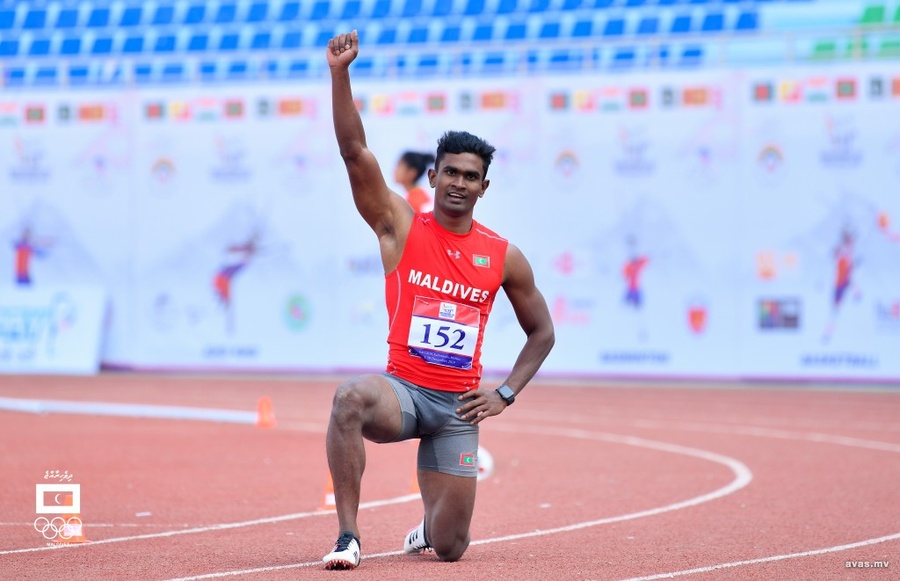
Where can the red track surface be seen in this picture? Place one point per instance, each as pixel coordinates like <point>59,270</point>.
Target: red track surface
<point>591,482</point>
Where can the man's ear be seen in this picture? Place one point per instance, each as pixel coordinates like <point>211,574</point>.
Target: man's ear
<point>484,187</point>
<point>431,176</point>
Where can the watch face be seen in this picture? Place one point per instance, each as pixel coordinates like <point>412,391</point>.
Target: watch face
<point>507,393</point>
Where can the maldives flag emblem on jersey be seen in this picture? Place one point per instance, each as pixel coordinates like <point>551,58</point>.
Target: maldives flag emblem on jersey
<point>466,459</point>
<point>482,261</point>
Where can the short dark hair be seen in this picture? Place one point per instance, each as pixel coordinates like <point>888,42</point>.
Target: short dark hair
<point>464,142</point>
<point>418,161</point>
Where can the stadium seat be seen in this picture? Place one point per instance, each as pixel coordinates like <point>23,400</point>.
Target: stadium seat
<point>873,15</point>
<point>442,8</point>
<point>602,4</point>
<point>39,47</point>
<point>474,8</point>
<point>713,22</point>
<point>290,11</point>
<point>239,69</point>
<point>635,3</point>
<point>261,40</point>
<point>648,25</point>
<point>571,5</point>
<point>70,46</point>
<point>418,35</point>
<point>195,14</point>
<point>143,73</point>
<point>320,10</point>
<point>691,56</point>
<point>131,16</point>
<point>258,12</point>
<point>229,41</point>
<point>889,49</point>
<point>102,45</point>
<point>323,36</point>
<point>824,49</point>
<point>291,39</point>
<point>14,76</point>
<point>451,34</point>
<point>226,14</point>
<point>623,57</point>
<point>133,44</point>
<point>207,70</point>
<point>198,42</point>
<point>165,43</point>
<point>583,29</point>
<point>614,27</point>
<point>681,24</point>
<point>164,15</point>
<point>7,19</point>
<point>411,8</point>
<point>388,35</point>
<point>897,16</point>
<point>747,21</point>
<point>67,18</point>
<point>549,29</point>
<point>428,64</point>
<point>538,6</point>
<point>172,72</point>
<point>483,32</point>
<point>516,31</point>
<point>36,19</point>
<point>298,68</point>
<point>352,9</point>
<point>381,9</point>
<point>9,48</point>
<point>46,76</point>
<point>99,18</point>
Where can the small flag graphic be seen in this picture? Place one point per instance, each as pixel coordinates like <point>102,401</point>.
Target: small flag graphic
<point>846,89</point>
<point>234,109</point>
<point>154,111</point>
<point>290,107</point>
<point>466,459</point>
<point>637,99</point>
<point>90,113</point>
<point>436,102</point>
<point>762,92</point>
<point>482,261</point>
<point>34,114</point>
<point>695,96</point>
<point>559,101</point>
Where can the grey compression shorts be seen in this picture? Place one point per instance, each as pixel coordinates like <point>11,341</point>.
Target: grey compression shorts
<point>447,444</point>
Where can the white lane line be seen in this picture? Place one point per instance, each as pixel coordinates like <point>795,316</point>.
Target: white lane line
<point>218,527</point>
<point>99,408</point>
<point>742,477</point>
<point>812,553</point>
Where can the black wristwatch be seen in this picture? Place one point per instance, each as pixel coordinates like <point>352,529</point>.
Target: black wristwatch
<point>506,392</point>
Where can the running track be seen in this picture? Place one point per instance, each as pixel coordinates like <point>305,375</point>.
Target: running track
<point>592,481</point>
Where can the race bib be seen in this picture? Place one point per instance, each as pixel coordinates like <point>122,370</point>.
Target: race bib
<point>444,332</point>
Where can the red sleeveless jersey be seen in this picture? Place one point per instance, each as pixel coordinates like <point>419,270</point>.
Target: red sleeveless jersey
<point>438,301</point>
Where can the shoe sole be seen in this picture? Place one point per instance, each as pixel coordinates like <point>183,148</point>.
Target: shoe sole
<point>340,565</point>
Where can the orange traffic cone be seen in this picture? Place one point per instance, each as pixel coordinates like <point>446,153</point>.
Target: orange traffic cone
<point>72,529</point>
<point>265,417</point>
<point>328,502</point>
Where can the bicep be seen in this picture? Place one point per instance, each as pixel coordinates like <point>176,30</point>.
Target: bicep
<point>520,288</point>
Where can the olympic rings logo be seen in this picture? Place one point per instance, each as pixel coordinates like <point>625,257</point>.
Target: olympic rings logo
<point>65,529</point>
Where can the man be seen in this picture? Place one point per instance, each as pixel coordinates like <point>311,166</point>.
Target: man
<point>442,272</point>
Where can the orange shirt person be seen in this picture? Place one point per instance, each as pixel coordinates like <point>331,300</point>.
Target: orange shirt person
<point>409,170</point>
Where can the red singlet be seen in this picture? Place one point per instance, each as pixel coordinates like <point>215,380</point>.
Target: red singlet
<point>438,301</point>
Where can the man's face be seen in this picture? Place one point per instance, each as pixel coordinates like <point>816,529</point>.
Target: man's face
<point>458,182</point>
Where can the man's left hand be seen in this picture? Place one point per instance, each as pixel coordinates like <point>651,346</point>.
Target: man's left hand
<point>481,404</point>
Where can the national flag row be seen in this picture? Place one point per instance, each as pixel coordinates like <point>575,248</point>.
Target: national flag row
<point>822,89</point>
<point>616,98</point>
<point>13,113</point>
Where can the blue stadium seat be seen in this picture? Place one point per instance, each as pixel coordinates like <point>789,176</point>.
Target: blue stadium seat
<point>258,12</point>
<point>474,7</point>
<point>713,22</point>
<point>289,11</point>
<point>67,18</point>
<point>363,65</point>
<point>323,36</point>
<point>195,14</point>
<point>39,47</point>
<point>493,62</point>
<point>261,40</point>
<point>451,34</point>
<point>388,35</point>
<point>46,76</point>
<point>602,4</point>
<point>381,9</point>
<point>411,8</point>
<point>14,76</point>
<point>99,18</point>
<point>133,44</point>
<point>747,21</point>
<point>199,42</point>
<point>9,48</point>
<point>172,72</point>
<point>239,69</point>
<point>572,4</point>
<point>538,6</point>
<point>681,24</point>
<point>648,25</point>
<point>549,29</point>
<point>691,55</point>
<point>102,45</point>
<point>320,10</point>
<point>7,19</point>
<point>131,16</point>
<point>483,32</point>
<point>516,31</point>
<point>565,59</point>
<point>70,46</point>
<point>226,14</point>
<point>207,70</point>
<point>229,41</point>
<point>298,68</point>
<point>291,39</point>
<point>352,9</point>
<point>428,64</point>
<point>507,6</point>
<point>442,8</point>
<point>36,19</point>
<point>418,35</point>
<point>583,29</point>
<point>623,57</point>
<point>635,3</point>
<point>165,43</point>
<point>614,27</point>
<point>163,15</point>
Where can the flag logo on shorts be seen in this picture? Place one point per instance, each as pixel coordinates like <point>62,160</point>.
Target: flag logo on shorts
<point>466,459</point>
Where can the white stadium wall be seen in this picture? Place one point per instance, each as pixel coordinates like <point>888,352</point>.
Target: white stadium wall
<point>218,222</point>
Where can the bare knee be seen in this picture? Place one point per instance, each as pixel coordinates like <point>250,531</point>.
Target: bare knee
<point>449,547</point>
<point>349,403</point>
